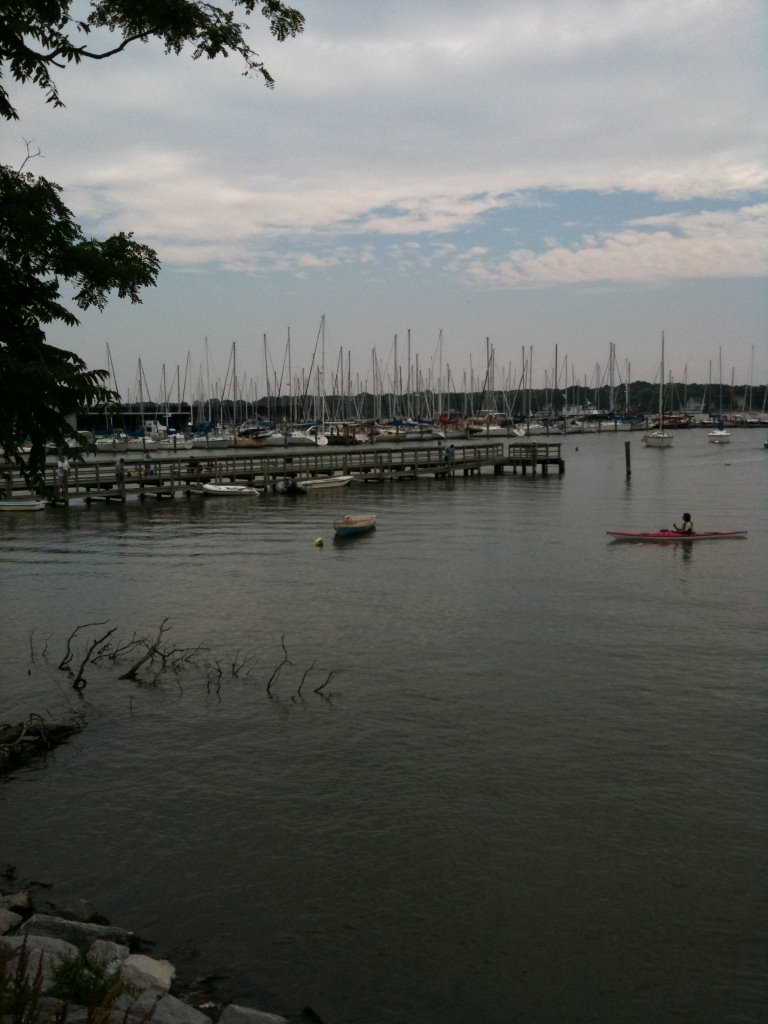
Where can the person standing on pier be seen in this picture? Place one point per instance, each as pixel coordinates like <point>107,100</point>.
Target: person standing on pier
<point>62,472</point>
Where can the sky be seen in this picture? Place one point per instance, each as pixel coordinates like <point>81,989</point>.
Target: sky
<point>564,179</point>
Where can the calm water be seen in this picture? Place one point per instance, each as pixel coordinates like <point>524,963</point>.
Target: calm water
<point>534,792</point>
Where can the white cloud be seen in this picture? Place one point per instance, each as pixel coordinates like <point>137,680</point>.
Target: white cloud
<point>651,249</point>
<point>488,99</point>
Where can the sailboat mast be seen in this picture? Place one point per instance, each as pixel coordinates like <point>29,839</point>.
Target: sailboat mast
<point>661,386</point>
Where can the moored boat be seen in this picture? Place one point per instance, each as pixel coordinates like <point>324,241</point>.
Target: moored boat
<point>209,441</point>
<point>229,489</point>
<point>321,483</point>
<point>354,525</point>
<point>719,435</point>
<point>21,504</point>
<point>659,438</point>
<point>174,443</point>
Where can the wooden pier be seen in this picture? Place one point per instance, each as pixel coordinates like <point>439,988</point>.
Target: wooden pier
<point>528,456</point>
<point>162,476</point>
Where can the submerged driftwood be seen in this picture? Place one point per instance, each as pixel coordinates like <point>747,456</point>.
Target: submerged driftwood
<point>29,739</point>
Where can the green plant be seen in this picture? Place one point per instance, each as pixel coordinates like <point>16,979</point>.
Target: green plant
<point>20,992</point>
<point>83,982</point>
<point>74,981</point>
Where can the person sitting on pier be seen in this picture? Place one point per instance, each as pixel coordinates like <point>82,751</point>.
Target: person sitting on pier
<point>686,526</point>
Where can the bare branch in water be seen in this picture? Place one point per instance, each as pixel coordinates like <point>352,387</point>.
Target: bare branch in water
<point>149,653</point>
<point>331,674</point>
<point>114,653</point>
<point>79,682</point>
<point>64,663</point>
<point>285,661</point>
<point>304,677</point>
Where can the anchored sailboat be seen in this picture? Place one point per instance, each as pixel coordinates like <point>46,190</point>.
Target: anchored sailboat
<point>659,438</point>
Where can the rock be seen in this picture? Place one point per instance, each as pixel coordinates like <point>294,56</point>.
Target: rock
<point>141,972</point>
<point>42,951</point>
<point>9,920</point>
<point>166,1010</point>
<point>49,940</point>
<point>234,1014</point>
<point>77,932</point>
<point>17,901</point>
<point>107,955</point>
<point>82,910</point>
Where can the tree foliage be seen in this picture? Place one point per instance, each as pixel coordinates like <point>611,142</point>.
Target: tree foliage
<point>38,36</point>
<point>41,245</point>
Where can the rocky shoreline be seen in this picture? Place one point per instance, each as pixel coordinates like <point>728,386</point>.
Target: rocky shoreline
<point>42,942</point>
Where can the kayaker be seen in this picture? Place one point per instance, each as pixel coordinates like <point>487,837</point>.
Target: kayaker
<point>686,526</point>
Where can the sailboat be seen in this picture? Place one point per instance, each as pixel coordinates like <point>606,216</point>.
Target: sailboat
<point>659,438</point>
<point>720,435</point>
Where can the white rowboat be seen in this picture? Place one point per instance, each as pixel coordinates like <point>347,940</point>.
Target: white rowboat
<point>229,489</point>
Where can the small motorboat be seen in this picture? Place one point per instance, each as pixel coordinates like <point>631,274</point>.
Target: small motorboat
<point>719,436</point>
<point>229,489</point>
<point>321,483</point>
<point>21,505</point>
<point>353,526</point>
<point>673,535</point>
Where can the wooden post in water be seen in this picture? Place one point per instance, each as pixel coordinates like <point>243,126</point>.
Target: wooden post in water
<point>627,460</point>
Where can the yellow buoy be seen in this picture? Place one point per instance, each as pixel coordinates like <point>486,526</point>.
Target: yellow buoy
<point>318,542</point>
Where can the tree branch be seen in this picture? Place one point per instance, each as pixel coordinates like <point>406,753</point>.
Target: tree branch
<point>285,661</point>
<point>150,652</point>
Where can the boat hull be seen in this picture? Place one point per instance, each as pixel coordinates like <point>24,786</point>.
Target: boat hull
<point>224,490</point>
<point>322,483</point>
<point>354,526</point>
<point>658,439</point>
<point>665,536</point>
<point>22,505</point>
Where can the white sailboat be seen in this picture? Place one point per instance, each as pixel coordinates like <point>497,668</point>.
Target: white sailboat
<point>659,438</point>
<point>720,435</point>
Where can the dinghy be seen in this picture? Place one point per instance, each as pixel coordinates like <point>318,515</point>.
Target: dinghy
<point>229,489</point>
<point>323,483</point>
<point>21,505</point>
<point>353,526</point>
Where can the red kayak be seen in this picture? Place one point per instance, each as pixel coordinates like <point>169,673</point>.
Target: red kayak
<point>672,535</point>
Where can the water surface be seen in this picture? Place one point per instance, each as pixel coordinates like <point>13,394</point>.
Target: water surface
<point>532,790</point>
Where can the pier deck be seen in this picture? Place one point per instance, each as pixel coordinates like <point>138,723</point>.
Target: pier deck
<point>185,473</point>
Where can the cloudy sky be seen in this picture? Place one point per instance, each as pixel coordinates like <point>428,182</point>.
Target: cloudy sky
<point>514,174</point>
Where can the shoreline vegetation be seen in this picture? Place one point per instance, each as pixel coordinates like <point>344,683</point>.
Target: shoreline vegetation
<point>70,965</point>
